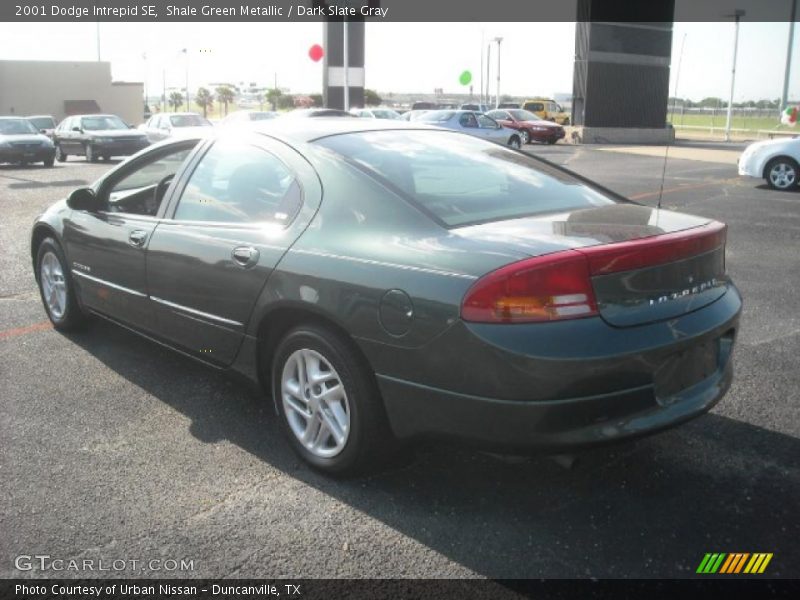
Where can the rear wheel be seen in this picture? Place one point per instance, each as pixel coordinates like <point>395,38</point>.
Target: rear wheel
<point>781,173</point>
<point>514,142</point>
<point>328,402</point>
<point>61,156</point>
<point>90,154</point>
<point>55,287</point>
<point>552,140</point>
<point>49,162</point>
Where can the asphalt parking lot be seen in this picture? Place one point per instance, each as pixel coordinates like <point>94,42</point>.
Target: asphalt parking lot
<point>115,448</point>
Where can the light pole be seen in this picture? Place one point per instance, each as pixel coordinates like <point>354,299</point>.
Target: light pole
<point>488,66</point>
<point>98,41</point>
<point>498,39</point>
<point>785,93</point>
<point>186,52</point>
<point>737,15</point>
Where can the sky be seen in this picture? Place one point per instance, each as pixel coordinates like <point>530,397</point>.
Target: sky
<point>536,58</point>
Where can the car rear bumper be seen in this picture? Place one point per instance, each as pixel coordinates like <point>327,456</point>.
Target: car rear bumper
<point>630,394</point>
<point>26,155</point>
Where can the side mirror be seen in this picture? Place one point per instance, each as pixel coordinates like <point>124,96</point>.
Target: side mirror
<point>43,131</point>
<point>78,129</point>
<point>84,199</point>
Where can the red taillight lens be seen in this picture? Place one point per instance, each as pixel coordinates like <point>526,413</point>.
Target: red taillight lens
<point>545,288</point>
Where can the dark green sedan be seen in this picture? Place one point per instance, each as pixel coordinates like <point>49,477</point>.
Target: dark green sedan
<point>384,282</point>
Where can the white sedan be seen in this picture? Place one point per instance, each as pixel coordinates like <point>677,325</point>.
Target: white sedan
<point>776,161</point>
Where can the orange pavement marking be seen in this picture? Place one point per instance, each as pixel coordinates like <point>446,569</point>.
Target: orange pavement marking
<point>27,329</point>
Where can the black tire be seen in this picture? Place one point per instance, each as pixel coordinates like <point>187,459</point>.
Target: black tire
<point>72,316</point>
<point>106,158</point>
<point>514,142</point>
<point>790,176</point>
<point>90,155</point>
<point>369,442</point>
<point>552,140</point>
<point>49,162</point>
<point>61,156</point>
<point>525,137</point>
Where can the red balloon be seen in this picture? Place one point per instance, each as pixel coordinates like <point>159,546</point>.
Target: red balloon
<point>316,52</point>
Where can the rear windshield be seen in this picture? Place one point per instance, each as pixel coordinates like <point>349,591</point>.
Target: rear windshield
<point>461,180</point>
<point>188,121</point>
<point>42,122</point>
<point>16,127</point>
<point>102,123</point>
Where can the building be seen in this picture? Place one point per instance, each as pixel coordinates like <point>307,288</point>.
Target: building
<point>62,88</point>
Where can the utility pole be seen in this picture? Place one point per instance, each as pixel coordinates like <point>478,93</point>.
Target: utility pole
<point>186,53</point>
<point>480,101</point>
<point>98,40</point>
<point>488,66</point>
<point>785,93</point>
<point>497,91</point>
<point>346,57</point>
<point>737,15</point>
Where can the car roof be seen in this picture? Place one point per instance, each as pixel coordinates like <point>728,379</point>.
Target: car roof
<point>39,117</point>
<point>7,117</point>
<point>308,130</point>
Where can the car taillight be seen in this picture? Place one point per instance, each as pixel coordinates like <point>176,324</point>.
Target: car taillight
<point>544,288</point>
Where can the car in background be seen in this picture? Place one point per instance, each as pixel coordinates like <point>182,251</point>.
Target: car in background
<point>45,124</point>
<point>305,113</point>
<point>775,161</point>
<point>21,142</point>
<point>530,127</point>
<point>241,117</point>
<point>547,109</point>
<point>473,123</point>
<point>424,105</point>
<point>175,125</point>
<point>413,115</point>
<point>508,105</point>
<point>376,113</point>
<point>475,107</point>
<point>96,136</point>
<point>384,282</point>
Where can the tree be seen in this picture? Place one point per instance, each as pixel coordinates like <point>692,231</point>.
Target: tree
<point>175,100</point>
<point>225,96</point>
<point>273,96</point>
<point>371,98</point>
<point>318,100</point>
<point>285,101</point>
<point>205,100</point>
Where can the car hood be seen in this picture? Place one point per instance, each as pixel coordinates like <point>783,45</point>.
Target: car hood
<point>24,137</point>
<point>777,145</point>
<point>544,234</point>
<point>115,133</point>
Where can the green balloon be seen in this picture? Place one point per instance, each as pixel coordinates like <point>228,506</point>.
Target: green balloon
<point>466,78</point>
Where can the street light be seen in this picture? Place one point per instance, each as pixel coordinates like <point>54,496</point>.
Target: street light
<point>737,15</point>
<point>498,39</point>
<point>785,92</point>
<point>186,52</point>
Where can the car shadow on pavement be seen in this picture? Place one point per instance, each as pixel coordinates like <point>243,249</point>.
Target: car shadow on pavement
<point>651,508</point>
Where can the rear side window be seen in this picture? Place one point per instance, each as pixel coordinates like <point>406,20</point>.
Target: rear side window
<point>461,180</point>
<point>239,183</point>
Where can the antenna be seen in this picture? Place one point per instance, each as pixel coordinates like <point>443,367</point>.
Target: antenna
<point>666,150</point>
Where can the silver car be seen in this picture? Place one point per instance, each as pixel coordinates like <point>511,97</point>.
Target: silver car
<point>473,123</point>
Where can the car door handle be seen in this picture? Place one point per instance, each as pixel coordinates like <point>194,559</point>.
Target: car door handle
<point>245,256</point>
<point>137,237</point>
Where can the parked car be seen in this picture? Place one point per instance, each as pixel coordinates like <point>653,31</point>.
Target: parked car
<point>443,285</point>
<point>21,142</point>
<point>45,124</point>
<point>376,113</point>
<point>96,136</point>
<point>775,161</point>
<point>530,127</point>
<point>473,123</point>
<point>316,112</point>
<point>166,125</point>
<point>241,117</point>
<point>547,109</point>
<point>507,105</point>
<point>423,105</point>
<point>412,115</point>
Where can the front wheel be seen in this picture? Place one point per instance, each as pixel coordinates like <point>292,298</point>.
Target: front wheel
<point>49,162</point>
<point>781,173</point>
<point>90,154</point>
<point>55,287</point>
<point>328,402</point>
<point>514,142</point>
<point>525,137</point>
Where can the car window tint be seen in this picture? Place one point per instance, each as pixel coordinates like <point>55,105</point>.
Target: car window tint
<point>485,122</point>
<point>238,183</point>
<point>461,180</point>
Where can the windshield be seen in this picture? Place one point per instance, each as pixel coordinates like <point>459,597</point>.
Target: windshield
<point>16,127</point>
<point>42,122</point>
<point>385,114</point>
<point>524,115</point>
<point>103,122</point>
<point>437,116</point>
<point>188,121</point>
<point>461,180</point>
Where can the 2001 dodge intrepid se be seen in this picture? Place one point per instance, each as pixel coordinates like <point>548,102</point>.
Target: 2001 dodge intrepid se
<point>391,281</point>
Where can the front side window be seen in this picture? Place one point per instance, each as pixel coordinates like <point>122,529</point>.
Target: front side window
<point>188,121</point>
<point>238,183</point>
<point>142,190</point>
<point>461,180</point>
<point>485,122</point>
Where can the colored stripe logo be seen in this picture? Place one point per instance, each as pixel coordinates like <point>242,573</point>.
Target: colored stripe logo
<point>734,563</point>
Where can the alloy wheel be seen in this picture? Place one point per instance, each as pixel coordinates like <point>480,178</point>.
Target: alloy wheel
<point>54,286</point>
<point>783,175</point>
<point>315,403</point>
